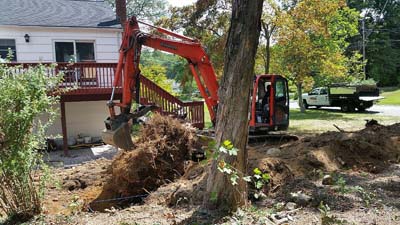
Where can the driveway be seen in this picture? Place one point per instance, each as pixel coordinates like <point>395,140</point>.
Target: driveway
<point>384,110</point>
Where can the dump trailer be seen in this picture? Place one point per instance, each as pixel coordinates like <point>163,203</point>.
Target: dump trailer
<point>347,97</point>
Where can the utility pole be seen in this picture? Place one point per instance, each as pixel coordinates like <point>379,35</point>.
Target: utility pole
<point>363,47</point>
<point>363,44</point>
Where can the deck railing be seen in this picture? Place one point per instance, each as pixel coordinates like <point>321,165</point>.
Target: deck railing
<point>98,78</point>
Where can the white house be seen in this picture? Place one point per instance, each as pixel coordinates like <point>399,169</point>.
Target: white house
<point>66,31</point>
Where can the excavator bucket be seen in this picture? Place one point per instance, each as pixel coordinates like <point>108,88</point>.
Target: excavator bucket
<point>119,137</point>
<point>118,130</point>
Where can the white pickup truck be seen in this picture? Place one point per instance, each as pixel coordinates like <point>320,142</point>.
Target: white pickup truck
<point>347,97</point>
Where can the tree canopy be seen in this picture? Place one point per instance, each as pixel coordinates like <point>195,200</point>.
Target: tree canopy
<point>382,42</point>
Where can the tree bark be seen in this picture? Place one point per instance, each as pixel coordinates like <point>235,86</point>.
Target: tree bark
<point>268,55</point>
<point>299,86</point>
<point>233,108</point>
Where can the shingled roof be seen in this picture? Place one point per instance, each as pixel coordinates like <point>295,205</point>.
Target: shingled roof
<point>56,13</point>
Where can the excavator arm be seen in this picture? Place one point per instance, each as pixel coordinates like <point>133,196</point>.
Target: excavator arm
<point>118,126</point>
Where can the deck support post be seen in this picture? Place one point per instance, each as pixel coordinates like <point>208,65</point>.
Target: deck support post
<point>64,129</point>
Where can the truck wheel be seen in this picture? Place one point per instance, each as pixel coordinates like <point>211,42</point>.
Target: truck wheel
<point>305,104</point>
<point>347,107</point>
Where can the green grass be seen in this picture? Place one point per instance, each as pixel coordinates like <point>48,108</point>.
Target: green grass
<point>207,118</point>
<point>321,120</point>
<point>392,97</point>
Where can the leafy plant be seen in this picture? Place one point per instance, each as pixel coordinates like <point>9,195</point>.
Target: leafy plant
<point>365,195</point>
<point>258,179</point>
<point>341,182</point>
<point>327,219</point>
<point>24,96</point>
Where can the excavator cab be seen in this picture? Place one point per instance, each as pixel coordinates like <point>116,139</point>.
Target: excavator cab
<point>269,104</point>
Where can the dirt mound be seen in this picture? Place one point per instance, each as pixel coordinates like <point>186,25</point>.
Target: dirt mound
<point>188,190</point>
<point>370,150</point>
<point>158,158</point>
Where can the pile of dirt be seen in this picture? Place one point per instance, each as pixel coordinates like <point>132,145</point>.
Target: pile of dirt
<point>158,158</point>
<point>370,150</point>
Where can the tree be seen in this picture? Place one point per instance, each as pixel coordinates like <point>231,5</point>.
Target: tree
<point>157,74</point>
<point>271,11</point>
<point>382,26</point>
<point>313,36</point>
<point>205,20</point>
<point>150,10</point>
<point>232,122</point>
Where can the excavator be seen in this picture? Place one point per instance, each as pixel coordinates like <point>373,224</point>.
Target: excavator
<point>269,99</point>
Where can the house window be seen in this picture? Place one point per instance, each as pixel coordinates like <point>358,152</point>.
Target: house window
<point>5,46</point>
<point>74,51</point>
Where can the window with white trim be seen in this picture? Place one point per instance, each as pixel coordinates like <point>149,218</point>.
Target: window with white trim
<point>7,45</point>
<point>74,51</point>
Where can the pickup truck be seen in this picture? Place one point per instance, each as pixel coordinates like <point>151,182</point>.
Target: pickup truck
<point>347,97</point>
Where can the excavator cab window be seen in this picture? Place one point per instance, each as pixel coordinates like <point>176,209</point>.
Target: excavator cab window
<point>263,100</point>
<point>281,107</point>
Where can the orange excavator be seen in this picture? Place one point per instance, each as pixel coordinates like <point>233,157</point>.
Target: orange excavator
<point>269,100</point>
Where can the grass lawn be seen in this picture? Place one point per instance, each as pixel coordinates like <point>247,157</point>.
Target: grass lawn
<point>392,97</point>
<point>321,120</point>
<point>207,118</point>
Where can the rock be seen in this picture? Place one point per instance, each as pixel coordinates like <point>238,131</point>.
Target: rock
<point>300,198</point>
<point>273,151</point>
<point>291,206</point>
<point>327,180</point>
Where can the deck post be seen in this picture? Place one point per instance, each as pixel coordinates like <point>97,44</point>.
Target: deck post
<point>64,129</point>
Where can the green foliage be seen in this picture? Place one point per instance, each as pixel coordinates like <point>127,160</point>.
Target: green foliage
<point>366,196</point>
<point>327,219</point>
<point>382,34</point>
<point>23,98</point>
<point>258,179</point>
<point>341,183</point>
<point>207,21</point>
<point>157,74</point>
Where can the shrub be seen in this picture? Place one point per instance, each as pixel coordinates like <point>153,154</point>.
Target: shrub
<point>23,98</point>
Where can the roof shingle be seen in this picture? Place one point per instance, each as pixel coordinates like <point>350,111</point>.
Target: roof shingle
<point>55,13</point>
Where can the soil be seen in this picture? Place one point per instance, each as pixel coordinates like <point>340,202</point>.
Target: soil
<point>364,166</point>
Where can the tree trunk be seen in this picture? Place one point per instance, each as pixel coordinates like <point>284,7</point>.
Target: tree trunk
<point>299,86</point>
<point>268,55</point>
<point>234,93</point>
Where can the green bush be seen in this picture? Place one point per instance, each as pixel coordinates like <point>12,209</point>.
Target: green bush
<point>23,98</point>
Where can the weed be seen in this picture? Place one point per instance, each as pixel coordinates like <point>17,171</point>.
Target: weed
<point>341,183</point>
<point>327,219</point>
<point>366,196</point>
<point>76,204</point>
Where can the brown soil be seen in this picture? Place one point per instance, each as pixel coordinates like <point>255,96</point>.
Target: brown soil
<point>370,150</point>
<point>70,190</point>
<point>158,158</point>
<point>362,158</point>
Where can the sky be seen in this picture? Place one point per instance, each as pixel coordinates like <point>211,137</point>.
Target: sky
<point>180,2</point>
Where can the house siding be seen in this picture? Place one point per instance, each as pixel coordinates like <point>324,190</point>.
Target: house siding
<point>41,45</point>
<point>86,118</point>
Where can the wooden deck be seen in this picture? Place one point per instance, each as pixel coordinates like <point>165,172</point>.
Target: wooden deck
<point>94,82</point>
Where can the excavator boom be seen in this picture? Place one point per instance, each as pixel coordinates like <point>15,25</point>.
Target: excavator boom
<point>118,126</point>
